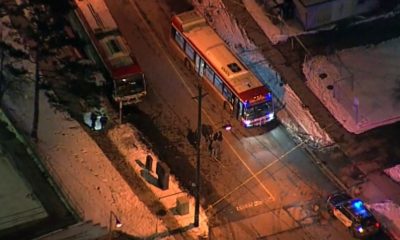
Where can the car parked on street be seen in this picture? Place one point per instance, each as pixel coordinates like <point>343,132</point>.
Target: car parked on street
<point>353,214</point>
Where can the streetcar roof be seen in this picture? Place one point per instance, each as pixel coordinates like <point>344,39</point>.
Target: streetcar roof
<point>216,53</point>
<point>188,20</point>
<point>109,42</point>
<point>97,15</point>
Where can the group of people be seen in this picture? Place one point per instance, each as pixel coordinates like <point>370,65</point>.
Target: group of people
<point>214,140</point>
<point>214,144</point>
<point>93,118</point>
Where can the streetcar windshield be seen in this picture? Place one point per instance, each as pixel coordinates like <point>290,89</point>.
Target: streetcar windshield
<point>130,86</point>
<point>258,110</point>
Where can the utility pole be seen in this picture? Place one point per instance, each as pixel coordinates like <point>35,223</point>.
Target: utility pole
<point>197,192</point>
<point>120,112</point>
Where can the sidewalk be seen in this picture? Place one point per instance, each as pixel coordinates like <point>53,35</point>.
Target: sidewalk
<point>97,184</point>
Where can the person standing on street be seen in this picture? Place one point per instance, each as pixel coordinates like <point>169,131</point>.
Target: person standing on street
<point>103,121</point>
<point>93,118</point>
<point>219,136</point>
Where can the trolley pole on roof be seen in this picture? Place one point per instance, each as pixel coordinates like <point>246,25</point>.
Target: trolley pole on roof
<point>197,190</point>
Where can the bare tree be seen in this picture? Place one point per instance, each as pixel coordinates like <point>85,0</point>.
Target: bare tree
<point>41,23</point>
<point>11,73</point>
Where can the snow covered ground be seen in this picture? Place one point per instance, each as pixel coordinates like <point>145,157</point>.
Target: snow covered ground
<point>389,213</point>
<point>358,86</point>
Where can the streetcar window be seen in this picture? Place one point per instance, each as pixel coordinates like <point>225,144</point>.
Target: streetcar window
<point>179,39</point>
<point>189,52</point>
<point>113,46</point>
<point>218,83</point>
<point>234,67</point>
<point>209,73</point>
<point>131,85</point>
<point>227,94</point>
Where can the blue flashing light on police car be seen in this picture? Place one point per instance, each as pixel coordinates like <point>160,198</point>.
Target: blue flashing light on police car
<point>354,214</point>
<point>359,208</point>
<point>358,204</point>
<point>268,97</point>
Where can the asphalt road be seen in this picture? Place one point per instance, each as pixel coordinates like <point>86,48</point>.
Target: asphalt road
<point>264,185</point>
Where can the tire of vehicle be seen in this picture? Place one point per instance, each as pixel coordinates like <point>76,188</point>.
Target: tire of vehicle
<point>352,232</point>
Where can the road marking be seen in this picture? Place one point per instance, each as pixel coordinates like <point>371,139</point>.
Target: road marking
<point>248,205</point>
<point>270,196</point>
<point>250,178</point>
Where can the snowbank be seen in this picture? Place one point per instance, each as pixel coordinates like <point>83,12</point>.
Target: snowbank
<point>389,213</point>
<point>394,173</point>
<point>126,139</point>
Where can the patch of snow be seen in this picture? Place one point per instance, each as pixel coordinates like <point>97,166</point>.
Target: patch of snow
<point>276,34</point>
<point>393,173</point>
<point>358,86</point>
<point>308,130</point>
<point>11,36</point>
<point>389,215</point>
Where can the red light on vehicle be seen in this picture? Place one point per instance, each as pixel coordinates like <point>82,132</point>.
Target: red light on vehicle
<point>377,225</point>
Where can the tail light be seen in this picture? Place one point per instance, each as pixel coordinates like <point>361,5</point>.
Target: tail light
<point>377,225</point>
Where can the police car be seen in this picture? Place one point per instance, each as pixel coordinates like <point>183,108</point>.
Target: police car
<point>353,214</point>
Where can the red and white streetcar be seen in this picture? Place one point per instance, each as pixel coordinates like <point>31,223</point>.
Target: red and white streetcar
<point>129,85</point>
<point>204,51</point>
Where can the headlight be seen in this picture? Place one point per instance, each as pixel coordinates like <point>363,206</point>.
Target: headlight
<point>360,229</point>
<point>247,123</point>
<point>271,116</point>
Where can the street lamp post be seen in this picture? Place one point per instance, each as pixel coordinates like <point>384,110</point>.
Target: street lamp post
<point>117,222</point>
<point>120,112</point>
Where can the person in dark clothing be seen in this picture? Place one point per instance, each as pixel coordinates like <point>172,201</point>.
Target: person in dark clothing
<point>93,118</point>
<point>210,147</point>
<point>215,137</point>
<point>219,137</point>
<point>207,132</point>
<point>103,121</point>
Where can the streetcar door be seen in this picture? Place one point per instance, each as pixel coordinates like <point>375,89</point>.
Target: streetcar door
<point>236,107</point>
<point>199,65</point>
<point>240,109</point>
